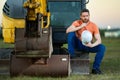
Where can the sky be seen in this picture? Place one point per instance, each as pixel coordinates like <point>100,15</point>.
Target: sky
<point>102,12</point>
<point>105,12</point>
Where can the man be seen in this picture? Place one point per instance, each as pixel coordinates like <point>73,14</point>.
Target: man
<point>74,39</point>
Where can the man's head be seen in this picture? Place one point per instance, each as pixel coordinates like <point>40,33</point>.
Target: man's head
<point>85,15</point>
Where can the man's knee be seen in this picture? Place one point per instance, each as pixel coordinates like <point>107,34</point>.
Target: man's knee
<point>102,48</point>
<point>71,36</point>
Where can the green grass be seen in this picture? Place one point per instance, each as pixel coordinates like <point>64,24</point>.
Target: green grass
<point>5,45</point>
<point>110,65</point>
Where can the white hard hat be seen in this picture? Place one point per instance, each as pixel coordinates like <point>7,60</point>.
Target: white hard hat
<point>86,37</point>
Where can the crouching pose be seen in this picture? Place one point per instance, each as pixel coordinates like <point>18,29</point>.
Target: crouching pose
<point>94,46</point>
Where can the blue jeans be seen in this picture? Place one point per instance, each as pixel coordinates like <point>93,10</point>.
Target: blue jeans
<point>75,43</point>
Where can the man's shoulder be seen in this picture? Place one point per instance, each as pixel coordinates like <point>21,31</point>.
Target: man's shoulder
<point>94,28</point>
<point>93,24</point>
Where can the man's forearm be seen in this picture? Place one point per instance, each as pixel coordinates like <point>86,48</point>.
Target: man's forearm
<point>70,29</point>
<point>96,43</point>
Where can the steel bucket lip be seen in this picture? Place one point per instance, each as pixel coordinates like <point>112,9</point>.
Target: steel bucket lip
<point>55,67</point>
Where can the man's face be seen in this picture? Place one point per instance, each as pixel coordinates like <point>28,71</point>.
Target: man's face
<point>85,17</point>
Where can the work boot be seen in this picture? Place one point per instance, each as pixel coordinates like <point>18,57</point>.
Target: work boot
<point>96,71</point>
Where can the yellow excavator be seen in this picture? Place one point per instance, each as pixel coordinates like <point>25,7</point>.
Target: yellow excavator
<point>37,28</point>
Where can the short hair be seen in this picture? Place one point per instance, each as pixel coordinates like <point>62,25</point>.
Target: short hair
<point>84,10</point>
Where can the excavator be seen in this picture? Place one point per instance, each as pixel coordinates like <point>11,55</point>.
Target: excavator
<point>37,28</point>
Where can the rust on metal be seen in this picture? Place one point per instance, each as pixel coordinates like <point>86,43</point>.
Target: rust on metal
<point>57,65</point>
<point>80,64</point>
<point>33,46</point>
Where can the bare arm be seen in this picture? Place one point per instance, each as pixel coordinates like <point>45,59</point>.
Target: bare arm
<point>73,28</point>
<point>97,42</point>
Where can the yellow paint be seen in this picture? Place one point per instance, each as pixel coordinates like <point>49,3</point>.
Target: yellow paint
<point>42,8</point>
<point>48,20</point>
<point>37,7</point>
<point>8,27</point>
<point>33,8</point>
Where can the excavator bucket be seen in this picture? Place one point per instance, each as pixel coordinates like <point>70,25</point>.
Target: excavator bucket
<point>57,65</point>
<point>80,64</point>
<point>33,46</point>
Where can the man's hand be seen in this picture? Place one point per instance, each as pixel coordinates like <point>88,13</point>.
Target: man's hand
<point>73,28</point>
<point>83,25</point>
<point>89,45</point>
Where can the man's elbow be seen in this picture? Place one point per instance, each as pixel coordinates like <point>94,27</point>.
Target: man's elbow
<point>67,31</point>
